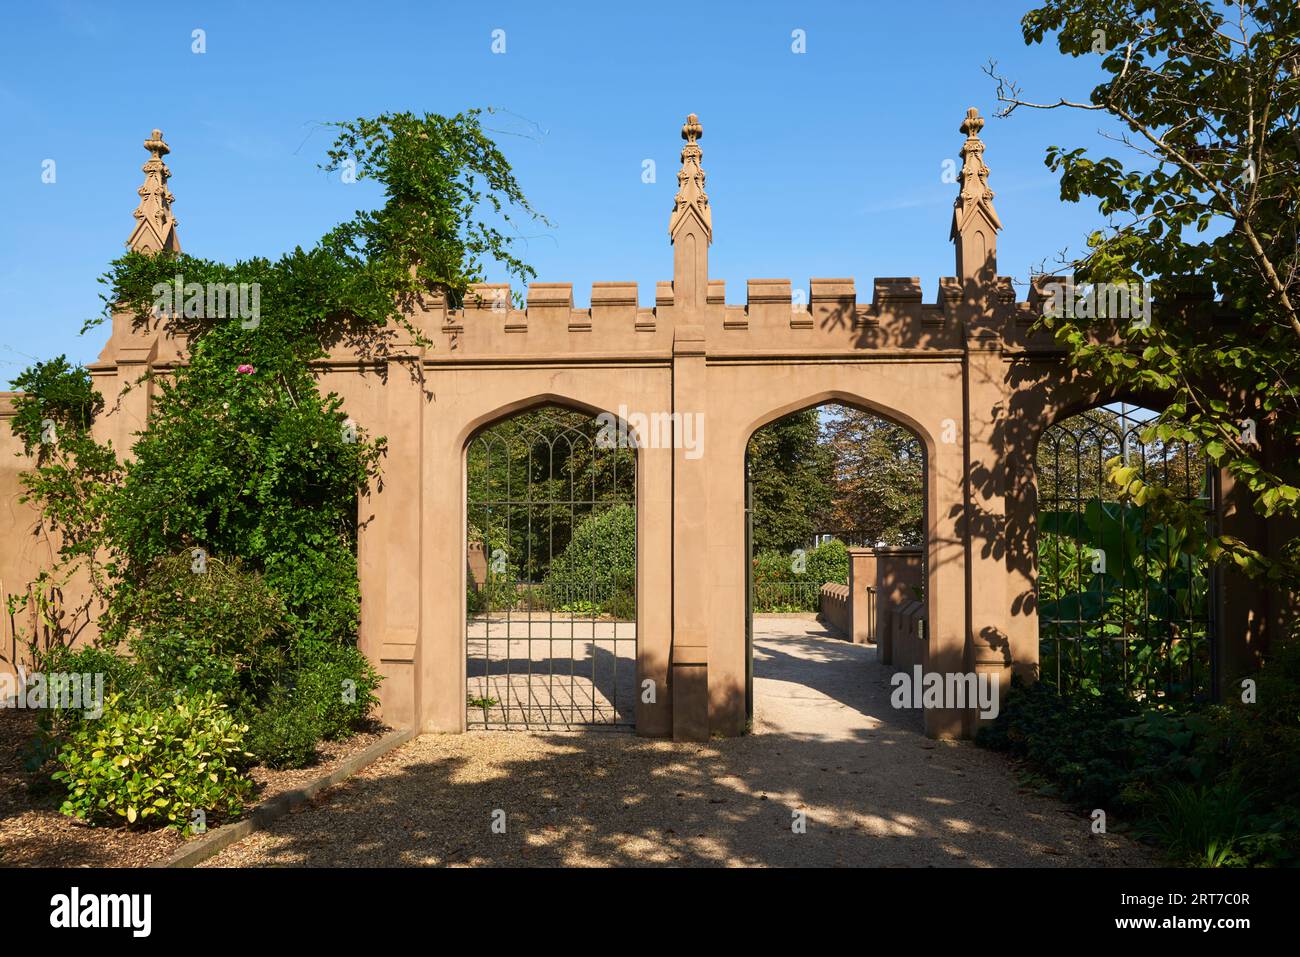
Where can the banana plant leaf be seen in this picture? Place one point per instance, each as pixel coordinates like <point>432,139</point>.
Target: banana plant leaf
<point>1146,578</point>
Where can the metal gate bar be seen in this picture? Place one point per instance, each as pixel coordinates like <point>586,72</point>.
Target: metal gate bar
<point>1120,606</point>
<point>534,480</point>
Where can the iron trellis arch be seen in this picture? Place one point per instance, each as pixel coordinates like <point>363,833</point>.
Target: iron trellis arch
<point>551,513</point>
<point>1120,606</point>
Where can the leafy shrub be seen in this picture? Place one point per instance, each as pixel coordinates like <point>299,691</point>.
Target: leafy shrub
<point>335,683</point>
<point>283,734</point>
<point>120,676</point>
<point>598,565</point>
<point>621,605</point>
<point>258,465</point>
<point>1265,736</point>
<point>786,582</point>
<point>1102,750</point>
<point>829,562</point>
<point>327,696</point>
<point>498,592</point>
<point>54,391</point>
<point>1180,774</point>
<point>1073,739</point>
<point>72,480</point>
<point>155,766</point>
<point>775,566</point>
<point>1201,823</point>
<point>222,629</point>
<point>581,608</point>
<point>1157,584</point>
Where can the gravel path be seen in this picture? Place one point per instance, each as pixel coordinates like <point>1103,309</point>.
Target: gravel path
<point>872,789</point>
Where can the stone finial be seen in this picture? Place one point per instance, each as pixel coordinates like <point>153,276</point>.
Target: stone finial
<point>155,228</point>
<point>691,197</point>
<point>975,193</point>
<point>691,129</point>
<point>973,123</point>
<point>975,222</point>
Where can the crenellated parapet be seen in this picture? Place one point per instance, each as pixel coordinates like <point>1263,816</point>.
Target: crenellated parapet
<point>975,308</point>
<point>818,316</point>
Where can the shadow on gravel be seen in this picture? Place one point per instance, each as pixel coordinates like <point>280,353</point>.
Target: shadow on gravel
<point>874,793</point>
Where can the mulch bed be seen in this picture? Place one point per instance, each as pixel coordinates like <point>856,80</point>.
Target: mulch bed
<point>34,834</point>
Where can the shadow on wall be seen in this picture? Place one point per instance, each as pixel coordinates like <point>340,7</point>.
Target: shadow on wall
<point>1040,396</point>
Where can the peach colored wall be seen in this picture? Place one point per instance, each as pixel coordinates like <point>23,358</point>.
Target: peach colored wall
<point>862,589</point>
<point>963,372</point>
<point>26,550</point>
<point>898,580</point>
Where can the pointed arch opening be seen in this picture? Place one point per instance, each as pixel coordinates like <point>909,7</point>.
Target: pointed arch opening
<point>551,553</point>
<point>830,486</point>
<point>1125,599</point>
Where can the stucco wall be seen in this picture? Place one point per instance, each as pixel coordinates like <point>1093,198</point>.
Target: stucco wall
<point>962,371</point>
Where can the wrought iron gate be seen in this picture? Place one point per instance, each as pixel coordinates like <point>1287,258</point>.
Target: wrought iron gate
<point>1120,604</point>
<point>551,605</point>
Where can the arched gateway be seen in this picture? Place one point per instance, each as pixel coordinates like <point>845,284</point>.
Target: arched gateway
<point>962,372</point>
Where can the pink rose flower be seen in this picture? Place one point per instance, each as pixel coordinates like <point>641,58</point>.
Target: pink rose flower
<point>245,369</point>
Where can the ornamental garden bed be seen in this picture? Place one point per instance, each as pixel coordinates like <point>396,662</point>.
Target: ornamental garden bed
<point>34,834</point>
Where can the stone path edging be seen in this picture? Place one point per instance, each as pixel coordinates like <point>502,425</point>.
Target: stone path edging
<point>214,842</point>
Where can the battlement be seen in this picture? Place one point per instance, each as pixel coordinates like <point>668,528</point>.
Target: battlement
<point>820,316</point>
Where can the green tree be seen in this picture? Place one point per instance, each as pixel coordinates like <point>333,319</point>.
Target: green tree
<point>1207,96</point>
<point>254,464</point>
<point>446,185</point>
<point>793,475</point>
<point>243,456</point>
<point>879,478</point>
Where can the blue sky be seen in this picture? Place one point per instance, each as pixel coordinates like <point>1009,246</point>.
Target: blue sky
<point>826,163</point>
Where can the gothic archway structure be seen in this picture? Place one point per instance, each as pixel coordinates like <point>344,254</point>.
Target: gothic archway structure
<point>962,371</point>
